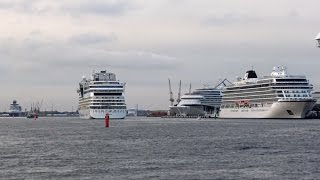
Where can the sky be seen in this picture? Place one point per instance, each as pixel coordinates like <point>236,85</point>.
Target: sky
<point>46,46</point>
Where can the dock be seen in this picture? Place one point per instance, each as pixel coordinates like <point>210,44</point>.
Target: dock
<point>191,117</point>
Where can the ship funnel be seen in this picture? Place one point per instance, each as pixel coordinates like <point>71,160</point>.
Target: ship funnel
<point>250,74</point>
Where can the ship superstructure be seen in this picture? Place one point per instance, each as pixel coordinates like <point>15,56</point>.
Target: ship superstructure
<point>212,98</point>
<point>102,94</point>
<point>279,95</point>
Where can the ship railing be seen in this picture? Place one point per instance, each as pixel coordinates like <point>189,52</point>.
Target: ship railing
<point>297,99</point>
<point>289,76</point>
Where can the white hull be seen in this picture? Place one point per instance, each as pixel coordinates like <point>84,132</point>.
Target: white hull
<point>101,113</point>
<point>278,110</point>
<point>187,110</point>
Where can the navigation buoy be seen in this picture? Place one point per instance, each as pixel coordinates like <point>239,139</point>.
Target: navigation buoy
<point>35,116</point>
<point>106,120</point>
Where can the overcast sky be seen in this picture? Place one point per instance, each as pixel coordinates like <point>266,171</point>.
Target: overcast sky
<point>46,46</point>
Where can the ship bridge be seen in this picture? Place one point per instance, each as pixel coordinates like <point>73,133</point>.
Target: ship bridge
<point>104,76</point>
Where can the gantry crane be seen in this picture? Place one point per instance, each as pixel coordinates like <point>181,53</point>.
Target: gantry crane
<point>179,93</point>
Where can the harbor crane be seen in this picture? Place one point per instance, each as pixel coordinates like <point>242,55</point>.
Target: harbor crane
<point>171,94</point>
<point>179,93</point>
<point>318,40</point>
<point>35,107</point>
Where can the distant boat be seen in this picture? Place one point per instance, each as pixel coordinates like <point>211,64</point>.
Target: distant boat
<point>32,115</point>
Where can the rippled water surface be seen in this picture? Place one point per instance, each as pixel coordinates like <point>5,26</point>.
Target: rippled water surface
<point>155,148</point>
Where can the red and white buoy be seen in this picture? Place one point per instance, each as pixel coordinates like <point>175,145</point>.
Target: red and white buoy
<point>106,120</point>
<point>35,116</point>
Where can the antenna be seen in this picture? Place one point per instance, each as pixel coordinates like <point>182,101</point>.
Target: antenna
<point>206,85</point>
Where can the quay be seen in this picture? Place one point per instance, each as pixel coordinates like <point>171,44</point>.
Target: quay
<point>191,117</point>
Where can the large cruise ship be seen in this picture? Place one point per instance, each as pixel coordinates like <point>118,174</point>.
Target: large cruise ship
<point>277,96</point>
<point>102,94</point>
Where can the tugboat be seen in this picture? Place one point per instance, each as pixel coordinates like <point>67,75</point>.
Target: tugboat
<point>32,115</point>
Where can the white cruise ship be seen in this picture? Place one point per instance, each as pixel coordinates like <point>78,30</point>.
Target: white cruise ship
<point>190,105</point>
<point>100,95</point>
<point>204,101</point>
<point>277,96</point>
<point>15,109</point>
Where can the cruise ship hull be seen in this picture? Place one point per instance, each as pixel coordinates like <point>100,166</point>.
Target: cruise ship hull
<point>100,114</point>
<point>187,110</point>
<point>278,110</point>
<point>15,114</point>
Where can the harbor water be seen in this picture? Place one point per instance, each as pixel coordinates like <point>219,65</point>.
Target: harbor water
<point>158,148</point>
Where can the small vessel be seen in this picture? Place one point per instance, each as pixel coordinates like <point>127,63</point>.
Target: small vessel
<point>102,94</point>
<point>279,95</point>
<point>32,115</point>
<point>15,109</point>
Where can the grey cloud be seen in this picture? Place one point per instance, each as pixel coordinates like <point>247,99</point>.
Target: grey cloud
<point>294,14</point>
<point>230,19</point>
<point>24,6</point>
<point>90,38</point>
<point>74,8</point>
<point>83,58</point>
<point>98,7</point>
<point>57,60</point>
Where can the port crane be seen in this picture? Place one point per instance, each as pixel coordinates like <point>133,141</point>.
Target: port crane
<point>179,93</point>
<point>171,94</point>
<point>35,107</point>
